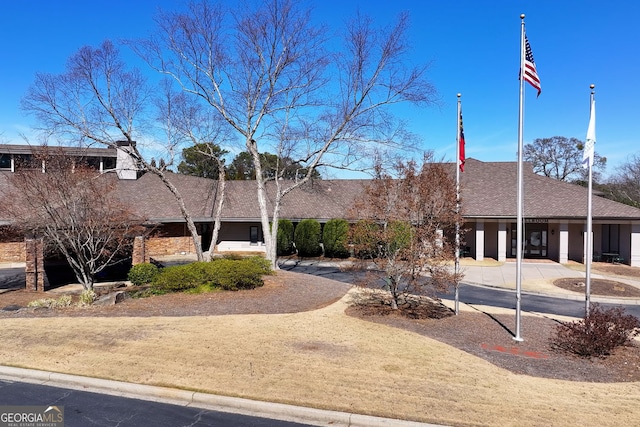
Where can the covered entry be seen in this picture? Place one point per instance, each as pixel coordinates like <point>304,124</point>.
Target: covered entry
<point>535,240</point>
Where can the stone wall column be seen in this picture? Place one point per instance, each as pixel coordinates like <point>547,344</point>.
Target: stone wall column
<point>34,266</point>
<point>139,255</point>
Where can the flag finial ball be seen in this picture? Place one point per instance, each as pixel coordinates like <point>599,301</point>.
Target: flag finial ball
<point>459,95</point>
<point>592,86</point>
<point>522,16</point>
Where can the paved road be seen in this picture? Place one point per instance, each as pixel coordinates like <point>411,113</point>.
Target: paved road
<point>480,295</point>
<point>477,295</point>
<point>83,409</point>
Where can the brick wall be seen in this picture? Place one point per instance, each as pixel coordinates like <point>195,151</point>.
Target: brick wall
<point>146,248</point>
<point>170,239</point>
<point>156,246</point>
<point>12,252</point>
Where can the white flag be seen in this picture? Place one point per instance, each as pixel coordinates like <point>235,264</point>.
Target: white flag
<point>589,145</point>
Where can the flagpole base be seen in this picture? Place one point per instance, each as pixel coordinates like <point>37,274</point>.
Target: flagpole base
<point>518,339</point>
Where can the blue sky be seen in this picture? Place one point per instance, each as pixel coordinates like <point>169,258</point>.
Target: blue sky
<point>472,45</point>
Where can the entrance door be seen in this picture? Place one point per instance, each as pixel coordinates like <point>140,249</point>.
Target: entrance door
<point>535,241</point>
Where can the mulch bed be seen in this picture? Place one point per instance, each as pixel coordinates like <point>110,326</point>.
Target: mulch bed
<point>602,287</point>
<point>484,335</point>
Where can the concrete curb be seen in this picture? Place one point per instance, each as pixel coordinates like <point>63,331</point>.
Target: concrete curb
<point>278,411</point>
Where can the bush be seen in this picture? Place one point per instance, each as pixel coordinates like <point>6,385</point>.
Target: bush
<point>87,297</point>
<point>334,238</point>
<point>183,277</point>
<point>225,273</point>
<point>63,301</point>
<point>364,236</point>
<point>284,239</point>
<point>307,238</point>
<point>398,236</point>
<point>247,273</point>
<point>597,334</point>
<point>142,274</point>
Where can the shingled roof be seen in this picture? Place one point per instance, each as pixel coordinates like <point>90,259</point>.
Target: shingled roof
<point>489,190</point>
<point>151,199</point>
<point>320,199</point>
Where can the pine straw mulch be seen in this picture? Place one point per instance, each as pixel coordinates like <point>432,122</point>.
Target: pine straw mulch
<point>490,337</point>
<point>485,335</point>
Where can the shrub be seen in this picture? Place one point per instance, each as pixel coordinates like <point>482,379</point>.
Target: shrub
<point>398,236</point>
<point>284,239</point>
<point>597,334</point>
<point>307,238</point>
<point>246,273</point>
<point>145,293</point>
<point>225,273</point>
<point>142,274</point>
<point>87,297</point>
<point>364,236</point>
<point>334,238</point>
<point>183,277</point>
<point>63,301</point>
<point>44,302</point>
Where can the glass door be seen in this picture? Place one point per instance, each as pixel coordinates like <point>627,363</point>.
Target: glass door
<point>535,243</point>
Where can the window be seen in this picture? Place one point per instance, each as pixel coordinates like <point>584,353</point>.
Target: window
<point>5,161</point>
<point>253,235</point>
<point>610,238</point>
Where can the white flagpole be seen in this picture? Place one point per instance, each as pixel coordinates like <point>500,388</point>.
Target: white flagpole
<point>519,228</point>
<point>457,256</point>
<point>590,159</point>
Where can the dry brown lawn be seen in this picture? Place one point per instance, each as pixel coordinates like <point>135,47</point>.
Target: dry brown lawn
<point>321,358</point>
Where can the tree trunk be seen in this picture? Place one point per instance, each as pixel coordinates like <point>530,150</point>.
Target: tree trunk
<point>218,210</point>
<point>183,209</point>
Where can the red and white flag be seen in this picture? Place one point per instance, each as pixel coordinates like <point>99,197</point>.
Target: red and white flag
<point>530,72</point>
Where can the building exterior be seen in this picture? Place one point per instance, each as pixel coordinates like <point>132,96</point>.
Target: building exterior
<point>554,215</point>
<point>554,211</point>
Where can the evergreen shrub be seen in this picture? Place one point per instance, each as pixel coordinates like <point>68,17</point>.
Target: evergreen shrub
<point>285,237</point>
<point>334,237</point>
<point>232,275</point>
<point>364,236</point>
<point>142,274</point>
<point>307,238</point>
<point>178,278</point>
<point>223,273</point>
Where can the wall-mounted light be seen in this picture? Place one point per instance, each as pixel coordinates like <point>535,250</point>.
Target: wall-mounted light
<point>553,231</point>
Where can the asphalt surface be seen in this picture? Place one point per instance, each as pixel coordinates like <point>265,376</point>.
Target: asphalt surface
<point>494,286</point>
<point>82,409</point>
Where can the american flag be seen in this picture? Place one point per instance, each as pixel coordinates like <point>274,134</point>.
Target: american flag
<point>530,73</point>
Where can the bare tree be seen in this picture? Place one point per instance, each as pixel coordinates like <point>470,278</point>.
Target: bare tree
<point>406,228</point>
<point>624,185</point>
<point>187,122</point>
<point>561,158</point>
<point>283,86</point>
<point>98,100</point>
<point>60,206</point>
